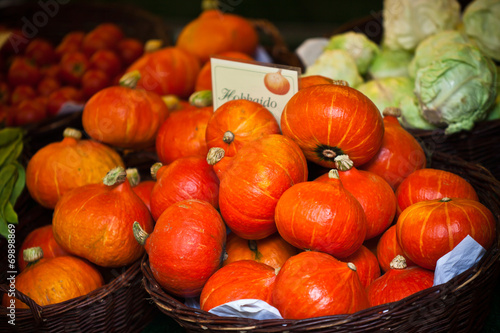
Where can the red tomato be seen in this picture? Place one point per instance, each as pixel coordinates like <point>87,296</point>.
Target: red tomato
<point>23,71</point>
<point>48,85</point>
<point>21,93</point>
<point>71,42</point>
<point>130,49</point>
<point>106,61</point>
<point>93,81</point>
<point>72,67</point>
<point>30,111</point>
<point>110,29</point>
<point>61,96</point>
<point>41,51</point>
<point>104,36</point>
<point>4,93</point>
<point>50,71</point>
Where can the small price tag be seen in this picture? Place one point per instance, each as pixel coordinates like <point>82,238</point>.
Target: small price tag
<point>267,84</point>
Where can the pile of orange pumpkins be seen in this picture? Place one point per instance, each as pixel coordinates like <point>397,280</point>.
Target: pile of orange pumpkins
<point>331,211</point>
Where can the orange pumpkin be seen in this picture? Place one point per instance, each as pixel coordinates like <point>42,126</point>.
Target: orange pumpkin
<point>272,250</point>
<point>214,32</point>
<point>95,221</point>
<point>170,70</point>
<point>144,190</point>
<point>186,246</point>
<point>254,179</point>
<point>315,284</point>
<point>400,154</point>
<point>367,265</point>
<point>313,80</point>
<point>185,178</point>
<point>373,193</point>
<point>123,116</point>
<point>204,79</point>
<point>388,248</point>
<point>398,282</point>
<point>244,279</point>
<point>182,134</point>
<point>54,280</point>
<point>429,184</point>
<point>237,122</point>
<point>321,216</point>
<point>429,229</point>
<point>42,237</point>
<point>61,166</point>
<point>328,120</point>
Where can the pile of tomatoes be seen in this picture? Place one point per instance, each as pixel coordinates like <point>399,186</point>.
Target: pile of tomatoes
<point>37,76</point>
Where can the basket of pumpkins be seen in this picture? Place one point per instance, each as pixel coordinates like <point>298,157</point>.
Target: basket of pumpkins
<point>437,61</point>
<point>335,219</point>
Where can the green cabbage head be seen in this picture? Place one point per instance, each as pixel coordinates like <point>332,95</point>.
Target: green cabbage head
<point>337,65</point>
<point>481,22</point>
<point>390,63</point>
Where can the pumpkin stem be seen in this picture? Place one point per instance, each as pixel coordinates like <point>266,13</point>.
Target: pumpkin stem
<point>139,234</point>
<point>152,45</point>
<point>70,132</point>
<point>329,153</point>
<point>343,163</point>
<point>445,199</point>
<point>391,111</point>
<point>341,83</point>
<point>333,174</point>
<point>115,176</point>
<point>171,101</point>
<point>154,169</point>
<point>215,154</point>
<point>352,266</point>
<point>228,137</point>
<point>209,4</point>
<point>133,176</point>
<point>201,98</point>
<point>399,262</point>
<point>130,79</point>
<point>33,254</point>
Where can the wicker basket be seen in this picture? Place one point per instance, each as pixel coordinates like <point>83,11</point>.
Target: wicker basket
<point>460,305</point>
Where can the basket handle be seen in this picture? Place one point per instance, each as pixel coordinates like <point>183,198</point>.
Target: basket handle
<point>36,309</point>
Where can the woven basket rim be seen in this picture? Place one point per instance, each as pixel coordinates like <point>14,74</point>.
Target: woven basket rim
<point>197,318</point>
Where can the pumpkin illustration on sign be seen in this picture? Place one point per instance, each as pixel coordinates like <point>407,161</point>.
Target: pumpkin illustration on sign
<point>276,83</point>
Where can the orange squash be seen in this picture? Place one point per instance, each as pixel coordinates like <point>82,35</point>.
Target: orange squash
<point>237,122</point>
<point>95,221</point>
<point>214,32</point>
<point>388,248</point>
<point>61,166</point>
<point>313,80</point>
<point>54,280</point>
<point>367,265</point>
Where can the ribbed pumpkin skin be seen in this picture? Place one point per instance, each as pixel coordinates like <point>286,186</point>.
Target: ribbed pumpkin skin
<point>54,280</point>
<point>272,250</point>
<point>321,217</point>
<point>183,134</point>
<point>61,166</point>
<point>429,229</point>
<point>255,179</point>
<point>185,178</point>
<point>246,120</point>
<point>367,265</point>
<point>388,248</point>
<point>313,80</point>
<point>95,222</point>
<point>397,284</point>
<point>314,284</point>
<point>375,196</point>
<point>214,32</point>
<point>124,117</point>
<point>186,247</point>
<point>41,237</point>
<point>169,70</point>
<point>244,279</point>
<point>336,117</point>
<point>399,155</point>
<point>429,184</point>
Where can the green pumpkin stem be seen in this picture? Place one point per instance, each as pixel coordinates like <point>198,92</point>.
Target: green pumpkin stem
<point>172,102</point>
<point>70,132</point>
<point>130,79</point>
<point>154,169</point>
<point>333,174</point>
<point>152,45</point>
<point>215,154</point>
<point>209,4</point>
<point>343,163</point>
<point>343,83</point>
<point>139,234</point>
<point>201,98</point>
<point>133,176</point>
<point>391,111</point>
<point>32,254</point>
<point>115,176</point>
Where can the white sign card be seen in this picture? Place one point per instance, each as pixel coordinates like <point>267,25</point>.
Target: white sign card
<point>267,84</point>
